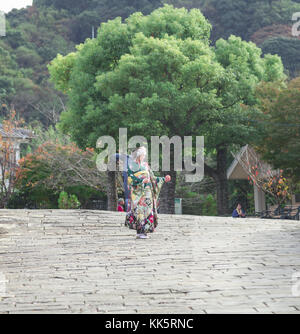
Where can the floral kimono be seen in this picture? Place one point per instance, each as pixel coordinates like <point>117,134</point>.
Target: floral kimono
<point>142,215</point>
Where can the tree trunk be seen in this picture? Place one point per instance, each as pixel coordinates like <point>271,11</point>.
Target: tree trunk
<point>111,190</point>
<point>222,182</point>
<point>220,177</point>
<point>167,196</point>
<point>222,196</point>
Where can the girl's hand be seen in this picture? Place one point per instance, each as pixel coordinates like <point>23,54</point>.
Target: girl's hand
<point>146,180</point>
<point>168,178</point>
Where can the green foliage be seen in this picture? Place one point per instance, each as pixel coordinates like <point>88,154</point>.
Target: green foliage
<point>33,38</point>
<point>188,4</point>
<point>38,180</point>
<point>35,35</point>
<point>89,111</point>
<point>162,79</point>
<point>241,191</point>
<point>208,206</point>
<point>280,143</point>
<point>51,134</point>
<point>245,68</point>
<point>158,75</point>
<point>8,71</point>
<point>85,194</point>
<point>289,51</point>
<point>61,69</point>
<point>63,200</point>
<point>266,22</point>
<point>160,71</point>
<point>70,5</point>
<point>221,105</point>
<point>27,58</point>
<point>38,195</point>
<point>84,14</point>
<point>245,17</point>
<point>66,201</point>
<point>42,199</point>
<point>116,7</point>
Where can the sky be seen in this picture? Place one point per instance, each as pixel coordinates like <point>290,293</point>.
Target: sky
<point>8,5</point>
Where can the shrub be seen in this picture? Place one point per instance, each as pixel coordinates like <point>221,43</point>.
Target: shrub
<point>66,201</point>
<point>209,206</point>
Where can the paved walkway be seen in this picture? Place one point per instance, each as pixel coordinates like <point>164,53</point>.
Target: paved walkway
<point>65,261</point>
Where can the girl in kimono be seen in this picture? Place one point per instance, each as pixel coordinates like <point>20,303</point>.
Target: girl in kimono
<point>144,190</point>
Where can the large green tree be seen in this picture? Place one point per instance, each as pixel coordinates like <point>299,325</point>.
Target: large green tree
<point>158,75</point>
<point>89,115</point>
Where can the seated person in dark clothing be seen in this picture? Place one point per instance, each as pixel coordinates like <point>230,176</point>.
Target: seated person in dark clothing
<point>121,204</point>
<point>238,212</point>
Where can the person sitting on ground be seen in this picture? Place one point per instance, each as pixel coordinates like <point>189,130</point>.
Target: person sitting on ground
<point>121,205</point>
<point>238,212</point>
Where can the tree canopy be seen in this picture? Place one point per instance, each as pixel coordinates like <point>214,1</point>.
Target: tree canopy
<point>37,33</point>
<point>158,75</point>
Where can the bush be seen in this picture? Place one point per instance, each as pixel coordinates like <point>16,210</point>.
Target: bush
<point>66,201</point>
<point>209,206</point>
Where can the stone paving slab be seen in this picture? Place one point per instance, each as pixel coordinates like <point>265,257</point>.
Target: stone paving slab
<point>87,261</point>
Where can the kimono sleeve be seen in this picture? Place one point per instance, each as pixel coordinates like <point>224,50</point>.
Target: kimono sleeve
<point>135,178</point>
<point>157,183</point>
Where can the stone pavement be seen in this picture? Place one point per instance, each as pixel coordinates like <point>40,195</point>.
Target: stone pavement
<point>86,261</point>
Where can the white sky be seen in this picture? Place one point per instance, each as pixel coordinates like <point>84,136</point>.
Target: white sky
<point>8,5</point>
